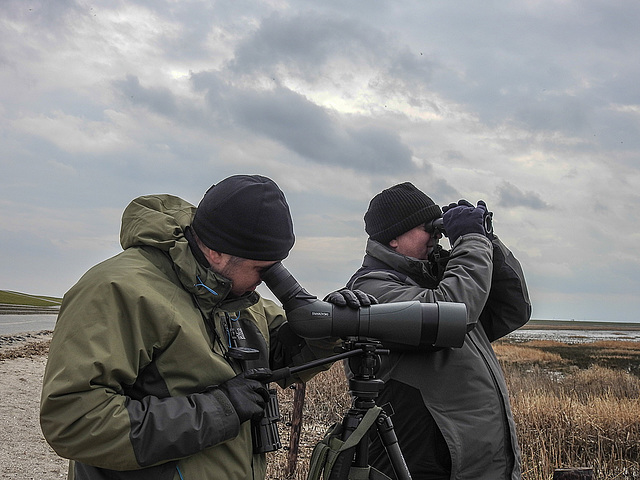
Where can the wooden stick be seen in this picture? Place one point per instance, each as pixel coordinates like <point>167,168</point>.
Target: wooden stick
<point>296,428</point>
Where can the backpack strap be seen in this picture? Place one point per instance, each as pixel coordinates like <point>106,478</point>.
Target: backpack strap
<point>332,450</point>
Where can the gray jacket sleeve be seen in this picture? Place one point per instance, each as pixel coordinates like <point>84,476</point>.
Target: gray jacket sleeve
<point>508,306</point>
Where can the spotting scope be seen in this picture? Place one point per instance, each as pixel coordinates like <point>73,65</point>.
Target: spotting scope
<point>401,325</point>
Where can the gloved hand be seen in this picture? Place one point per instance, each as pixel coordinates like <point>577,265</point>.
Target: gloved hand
<point>247,395</point>
<point>351,298</point>
<point>462,218</point>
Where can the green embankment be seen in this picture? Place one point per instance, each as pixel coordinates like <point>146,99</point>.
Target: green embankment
<point>22,303</point>
<point>17,298</point>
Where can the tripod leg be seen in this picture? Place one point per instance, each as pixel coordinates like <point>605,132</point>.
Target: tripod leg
<point>343,463</point>
<point>390,442</point>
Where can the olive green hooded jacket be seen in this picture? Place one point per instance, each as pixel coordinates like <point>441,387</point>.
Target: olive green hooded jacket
<point>139,343</point>
<point>452,411</point>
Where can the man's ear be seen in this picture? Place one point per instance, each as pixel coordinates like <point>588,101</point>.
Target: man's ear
<point>393,243</point>
<point>215,259</point>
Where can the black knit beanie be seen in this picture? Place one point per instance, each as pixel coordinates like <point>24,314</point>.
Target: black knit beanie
<point>397,210</point>
<point>246,216</point>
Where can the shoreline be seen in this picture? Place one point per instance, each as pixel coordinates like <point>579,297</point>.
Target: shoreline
<point>25,345</point>
<point>12,309</point>
<point>579,325</point>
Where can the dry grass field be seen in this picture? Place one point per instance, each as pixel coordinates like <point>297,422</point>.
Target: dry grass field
<point>574,405</point>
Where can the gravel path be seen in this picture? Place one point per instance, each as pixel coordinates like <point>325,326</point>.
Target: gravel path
<point>24,453</point>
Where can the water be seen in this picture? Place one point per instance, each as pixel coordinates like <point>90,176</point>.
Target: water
<point>13,324</point>
<point>574,336</point>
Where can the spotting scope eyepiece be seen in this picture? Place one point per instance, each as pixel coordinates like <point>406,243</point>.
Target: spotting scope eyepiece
<point>401,325</point>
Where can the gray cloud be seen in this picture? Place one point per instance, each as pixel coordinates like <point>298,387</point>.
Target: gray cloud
<point>305,128</point>
<point>309,44</point>
<point>313,133</point>
<point>159,100</point>
<point>305,42</point>
<point>511,196</point>
<point>281,115</point>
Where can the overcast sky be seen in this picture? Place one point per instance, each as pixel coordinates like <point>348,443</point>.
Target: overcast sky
<point>533,106</point>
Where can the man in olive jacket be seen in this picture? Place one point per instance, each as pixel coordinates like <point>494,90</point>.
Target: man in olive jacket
<point>452,413</point>
<point>140,383</point>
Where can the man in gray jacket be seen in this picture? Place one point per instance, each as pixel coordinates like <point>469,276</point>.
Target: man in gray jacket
<point>452,413</point>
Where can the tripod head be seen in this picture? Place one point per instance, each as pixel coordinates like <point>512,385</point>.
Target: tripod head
<point>364,386</point>
<point>350,348</point>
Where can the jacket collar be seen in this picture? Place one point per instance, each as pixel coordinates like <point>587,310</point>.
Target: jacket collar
<point>210,289</point>
<point>407,265</point>
<point>418,270</point>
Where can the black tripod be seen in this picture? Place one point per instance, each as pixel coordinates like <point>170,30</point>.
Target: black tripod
<point>365,388</point>
<point>364,362</point>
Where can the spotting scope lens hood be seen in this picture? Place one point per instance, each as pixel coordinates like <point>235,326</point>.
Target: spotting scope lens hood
<point>400,325</point>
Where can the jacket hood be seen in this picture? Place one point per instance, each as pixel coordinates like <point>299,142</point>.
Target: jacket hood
<point>160,221</point>
<point>157,221</point>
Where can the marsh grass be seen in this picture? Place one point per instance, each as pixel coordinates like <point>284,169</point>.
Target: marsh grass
<point>584,418</point>
<point>574,405</point>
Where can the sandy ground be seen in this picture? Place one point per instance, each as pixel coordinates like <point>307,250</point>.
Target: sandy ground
<point>24,453</point>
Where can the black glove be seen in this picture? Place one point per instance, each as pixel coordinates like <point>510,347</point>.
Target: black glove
<point>247,395</point>
<point>462,218</point>
<point>351,298</point>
